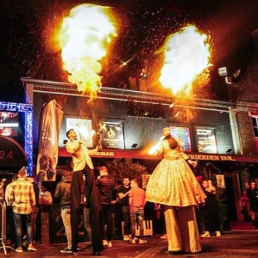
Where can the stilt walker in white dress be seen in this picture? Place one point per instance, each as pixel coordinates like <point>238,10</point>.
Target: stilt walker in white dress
<point>174,185</point>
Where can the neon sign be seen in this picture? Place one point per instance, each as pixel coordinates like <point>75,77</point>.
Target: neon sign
<point>27,110</point>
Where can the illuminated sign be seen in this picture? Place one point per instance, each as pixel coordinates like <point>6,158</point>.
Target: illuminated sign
<point>27,110</point>
<point>212,157</point>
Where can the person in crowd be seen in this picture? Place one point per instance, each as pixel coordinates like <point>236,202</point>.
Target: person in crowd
<point>252,194</point>
<point>10,228</point>
<point>35,209</point>
<point>137,202</point>
<point>63,196</point>
<point>45,196</point>
<point>244,206</point>
<point>2,187</point>
<point>159,220</point>
<point>123,195</point>
<point>208,213</point>
<point>174,185</point>
<point>82,164</point>
<point>106,184</point>
<point>22,199</point>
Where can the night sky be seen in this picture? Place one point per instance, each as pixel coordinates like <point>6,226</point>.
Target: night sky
<point>143,26</point>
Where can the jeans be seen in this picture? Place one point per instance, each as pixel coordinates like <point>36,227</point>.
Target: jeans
<point>137,215</point>
<point>34,215</point>
<point>126,218</point>
<point>18,227</point>
<point>106,220</point>
<point>66,218</point>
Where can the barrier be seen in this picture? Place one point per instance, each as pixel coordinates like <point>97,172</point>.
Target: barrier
<point>3,228</point>
<point>147,228</point>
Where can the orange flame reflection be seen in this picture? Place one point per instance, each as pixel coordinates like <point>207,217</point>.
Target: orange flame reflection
<point>84,38</point>
<point>186,57</point>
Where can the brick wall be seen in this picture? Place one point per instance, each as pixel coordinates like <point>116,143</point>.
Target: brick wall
<point>246,132</point>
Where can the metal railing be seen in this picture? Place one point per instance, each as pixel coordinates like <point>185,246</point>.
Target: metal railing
<point>3,228</point>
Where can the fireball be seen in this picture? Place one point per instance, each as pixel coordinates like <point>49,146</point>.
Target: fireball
<point>84,38</point>
<point>186,58</point>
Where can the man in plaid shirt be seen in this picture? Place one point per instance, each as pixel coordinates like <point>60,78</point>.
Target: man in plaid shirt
<point>22,199</point>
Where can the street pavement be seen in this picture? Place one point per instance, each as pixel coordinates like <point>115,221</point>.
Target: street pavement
<point>233,243</point>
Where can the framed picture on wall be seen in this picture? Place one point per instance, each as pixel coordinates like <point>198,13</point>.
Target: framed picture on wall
<point>111,135</point>
<point>182,133</point>
<point>206,139</point>
<point>83,128</point>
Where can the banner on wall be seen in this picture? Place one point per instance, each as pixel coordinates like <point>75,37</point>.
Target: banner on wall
<point>220,181</point>
<point>111,135</point>
<point>50,124</point>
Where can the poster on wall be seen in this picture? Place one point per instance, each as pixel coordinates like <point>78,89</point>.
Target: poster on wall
<point>83,128</point>
<point>111,135</point>
<point>183,134</point>
<point>206,140</point>
<point>220,181</point>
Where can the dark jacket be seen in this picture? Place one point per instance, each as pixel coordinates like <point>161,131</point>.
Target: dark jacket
<point>252,195</point>
<point>63,193</point>
<point>106,185</point>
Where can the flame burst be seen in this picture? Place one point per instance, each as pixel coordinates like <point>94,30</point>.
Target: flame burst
<point>84,38</point>
<point>186,57</point>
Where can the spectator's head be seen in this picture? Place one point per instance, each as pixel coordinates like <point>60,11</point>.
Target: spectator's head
<point>103,171</point>
<point>205,184</point>
<point>67,176</point>
<point>252,185</point>
<point>22,172</point>
<point>126,181</point>
<point>134,183</point>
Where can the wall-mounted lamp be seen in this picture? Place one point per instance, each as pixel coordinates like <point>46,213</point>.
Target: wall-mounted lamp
<point>223,71</point>
<point>134,145</point>
<point>229,78</point>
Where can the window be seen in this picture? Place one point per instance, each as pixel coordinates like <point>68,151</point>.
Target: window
<point>206,140</point>
<point>255,126</point>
